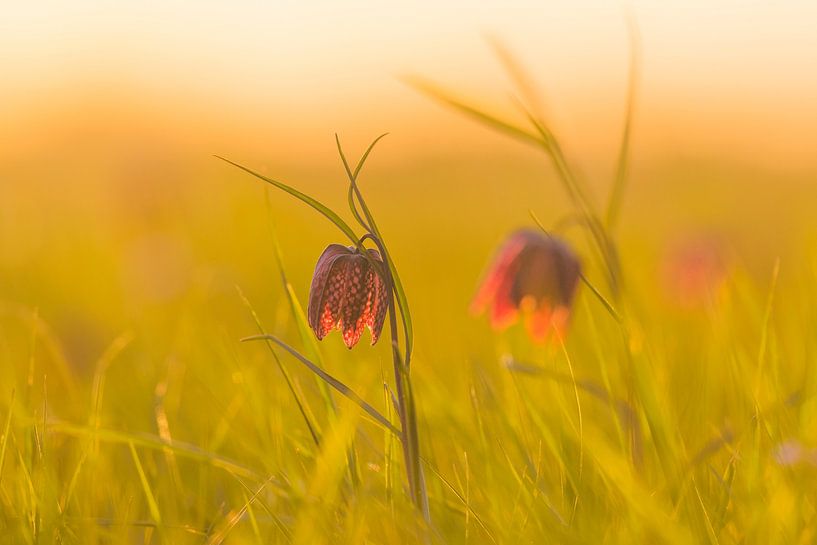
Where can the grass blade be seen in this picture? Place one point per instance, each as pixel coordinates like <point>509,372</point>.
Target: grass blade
<point>437,93</point>
<point>371,225</point>
<point>308,340</point>
<point>614,203</point>
<point>607,305</point>
<point>332,381</point>
<point>154,442</point>
<point>517,74</point>
<point>543,139</point>
<point>464,502</point>
<point>764,331</point>
<point>219,537</point>
<point>323,209</point>
<point>6,435</point>
<point>151,499</point>
<point>312,426</point>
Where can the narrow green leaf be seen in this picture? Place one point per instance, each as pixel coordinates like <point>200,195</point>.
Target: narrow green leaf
<point>543,139</point>
<point>350,195</point>
<point>365,155</point>
<point>6,435</point>
<point>465,503</point>
<point>151,499</point>
<point>219,537</point>
<point>154,442</point>
<point>312,426</point>
<point>308,340</point>
<point>323,209</point>
<point>371,225</point>
<point>437,93</point>
<point>622,164</point>
<point>765,329</point>
<point>517,73</point>
<point>72,484</point>
<point>626,414</point>
<point>285,531</point>
<point>607,305</point>
<point>332,381</point>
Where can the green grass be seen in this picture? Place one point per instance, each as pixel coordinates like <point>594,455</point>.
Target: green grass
<point>131,412</point>
<point>175,432</point>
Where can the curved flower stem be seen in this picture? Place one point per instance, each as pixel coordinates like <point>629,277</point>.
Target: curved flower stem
<point>402,362</point>
<point>405,403</point>
<point>371,228</point>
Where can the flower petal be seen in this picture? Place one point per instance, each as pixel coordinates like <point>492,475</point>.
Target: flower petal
<point>316,309</point>
<point>377,305</point>
<point>354,302</point>
<point>331,314</point>
<point>538,274</point>
<point>539,323</point>
<point>560,319</point>
<point>498,273</point>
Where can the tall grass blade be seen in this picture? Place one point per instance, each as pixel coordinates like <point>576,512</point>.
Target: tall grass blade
<point>608,306</point>
<point>285,531</point>
<point>764,332</point>
<point>229,524</point>
<point>6,431</point>
<point>144,440</point>
<point>308,340</point>
<point>312,426</point>
<point>465,503</point>
<point>153,507</point>
<point>544,139</point>
<point>437,93</point>
<point>622,164</point>
<point>517,74</point>
<point>323,209</point>
<point>332,381</point>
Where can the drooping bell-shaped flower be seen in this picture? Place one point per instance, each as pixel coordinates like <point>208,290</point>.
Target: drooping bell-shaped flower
<point>535,274</point>
<point>348,294</point>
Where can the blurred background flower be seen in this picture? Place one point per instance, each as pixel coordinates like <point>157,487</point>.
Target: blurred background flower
<point>532,274</point>
<point>694,270</point>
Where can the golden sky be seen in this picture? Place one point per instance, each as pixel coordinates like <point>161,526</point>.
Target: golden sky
<point>719,77</point>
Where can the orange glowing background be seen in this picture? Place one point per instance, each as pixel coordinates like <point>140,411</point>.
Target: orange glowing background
<point>731,78</point>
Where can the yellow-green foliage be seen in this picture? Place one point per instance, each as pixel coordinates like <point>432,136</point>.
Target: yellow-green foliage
<point>130,412</point>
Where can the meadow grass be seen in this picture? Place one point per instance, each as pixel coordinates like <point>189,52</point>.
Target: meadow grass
<point>131,413</point>
<point>152,423</point>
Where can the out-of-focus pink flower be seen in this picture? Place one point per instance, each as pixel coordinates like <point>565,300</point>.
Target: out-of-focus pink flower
<point>793,452</point>
<point>695,270</point>
<point>535,274</point>
<point>348,294</point>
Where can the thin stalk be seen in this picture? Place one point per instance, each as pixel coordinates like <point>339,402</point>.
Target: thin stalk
<point>405,402</point>
<point>582,203</point>
<point>371,226</point>
<point>410,439</point>
<point>622,164</point>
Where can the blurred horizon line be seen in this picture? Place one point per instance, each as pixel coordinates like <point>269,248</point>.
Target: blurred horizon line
<point>732,80</point>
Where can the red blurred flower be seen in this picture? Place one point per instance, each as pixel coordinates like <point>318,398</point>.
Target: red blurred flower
<point>695,270</point>
<point>536,274</point>
<point>348,294</point>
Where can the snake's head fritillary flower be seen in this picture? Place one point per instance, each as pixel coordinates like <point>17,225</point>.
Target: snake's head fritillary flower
<point>535,274</point>
<point>348,294</point>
